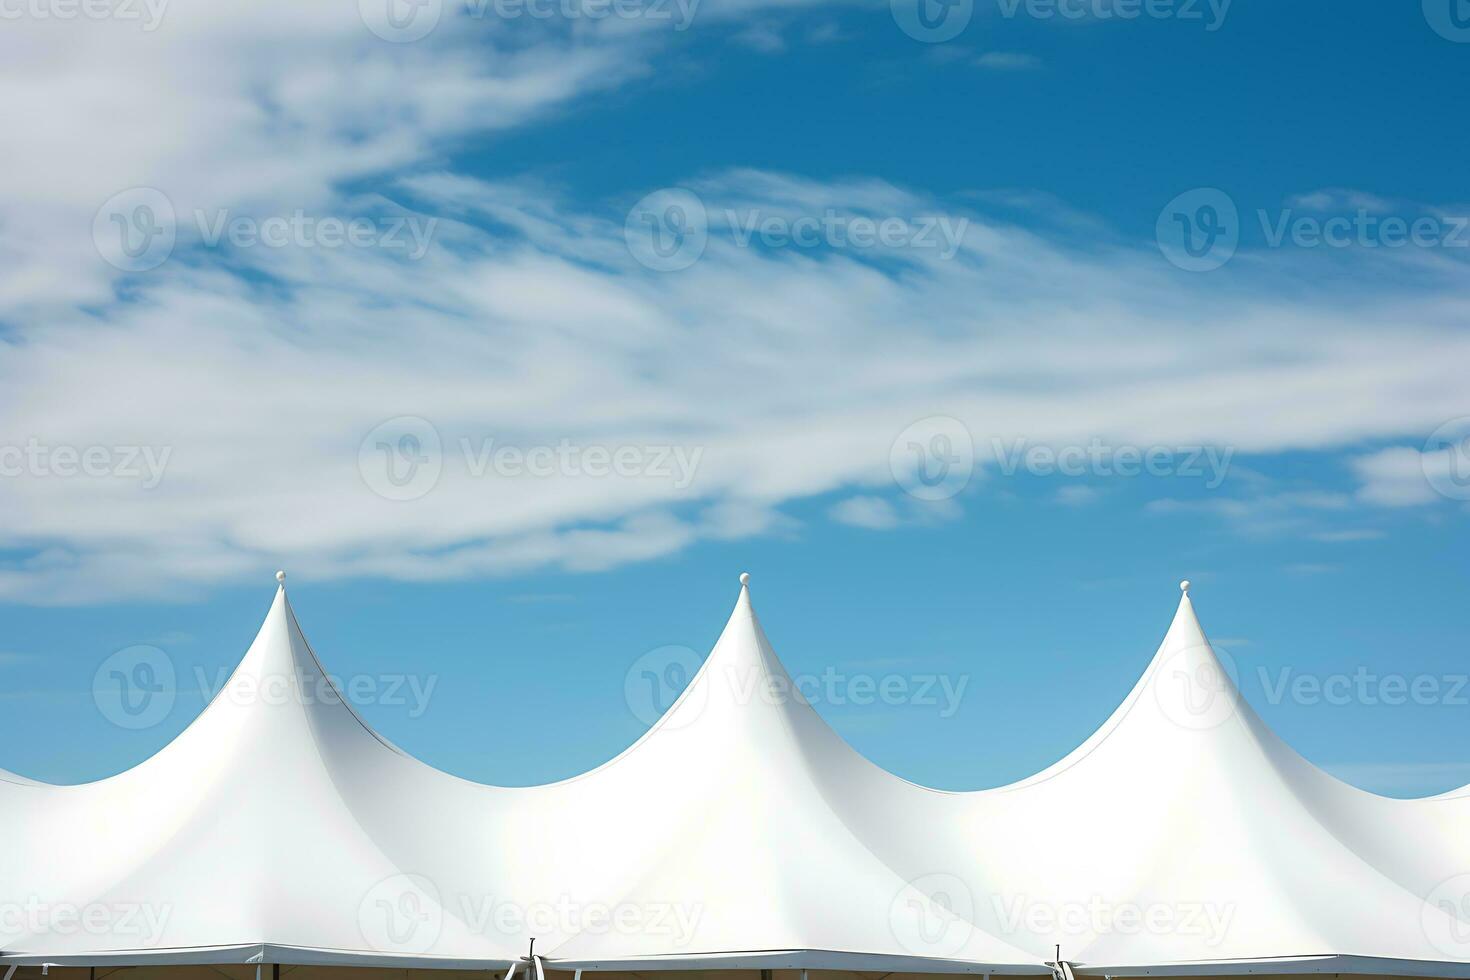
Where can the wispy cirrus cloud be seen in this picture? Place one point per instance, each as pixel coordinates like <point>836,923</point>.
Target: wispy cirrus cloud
<point>673,407</point>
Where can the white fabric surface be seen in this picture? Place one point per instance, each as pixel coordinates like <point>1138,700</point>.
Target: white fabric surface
<point>740,831</point>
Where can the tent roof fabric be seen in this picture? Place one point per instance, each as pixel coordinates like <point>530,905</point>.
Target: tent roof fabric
<point>1182,838</point>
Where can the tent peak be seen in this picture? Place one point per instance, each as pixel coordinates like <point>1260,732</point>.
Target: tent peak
<point>745,578</point>
<point>281,577</point>
<point>1184,586</point>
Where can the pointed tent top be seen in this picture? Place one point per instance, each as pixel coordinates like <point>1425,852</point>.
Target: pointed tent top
<point>281,577</point>
<point>744,579</point>
<point>1185,629</point>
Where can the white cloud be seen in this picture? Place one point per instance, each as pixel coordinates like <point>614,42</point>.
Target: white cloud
<point>1076,495</point>
<point>1007,61</point>
<point>1404,477</point>
<point>764,37</point>
<point>789,373</point>
<point>253,107</point>
<point>874,513</point>
<point>1338,198</point>
<point>1312,568</point>
<point>1355,534</point>
<point>1266,511</point>
<point>261,371</point>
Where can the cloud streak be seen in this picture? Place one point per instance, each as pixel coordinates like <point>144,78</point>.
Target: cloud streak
<point>265,372</point>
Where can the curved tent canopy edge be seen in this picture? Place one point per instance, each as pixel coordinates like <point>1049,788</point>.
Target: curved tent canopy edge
<point>785,847</point>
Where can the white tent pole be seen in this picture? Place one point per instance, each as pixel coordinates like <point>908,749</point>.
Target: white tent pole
<point>11,972</point>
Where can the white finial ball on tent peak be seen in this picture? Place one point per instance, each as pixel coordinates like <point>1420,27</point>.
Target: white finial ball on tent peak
<point>281,577</point>
<point>744,578</point>
<point>1184,586</point>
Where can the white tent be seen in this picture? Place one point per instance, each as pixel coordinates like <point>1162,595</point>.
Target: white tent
<point>739,832</point>
<point>1184,837</point>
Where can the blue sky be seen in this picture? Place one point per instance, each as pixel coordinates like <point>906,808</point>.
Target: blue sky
<point>242,394</point>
